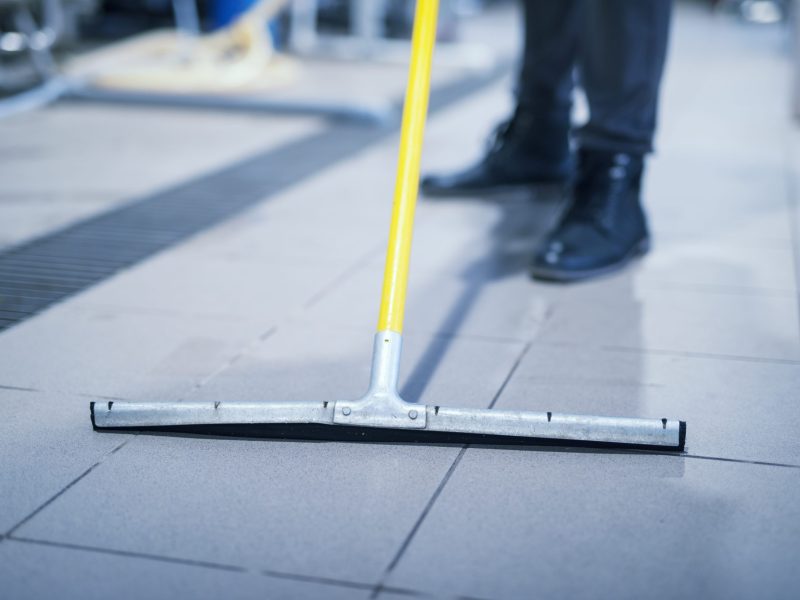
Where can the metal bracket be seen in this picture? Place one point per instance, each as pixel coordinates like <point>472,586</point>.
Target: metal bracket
<point>382,406</point>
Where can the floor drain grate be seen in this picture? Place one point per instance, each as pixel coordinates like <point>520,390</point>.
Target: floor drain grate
<point>46,270</point>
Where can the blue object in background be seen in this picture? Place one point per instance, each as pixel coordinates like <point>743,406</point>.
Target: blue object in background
<point>224,12</point>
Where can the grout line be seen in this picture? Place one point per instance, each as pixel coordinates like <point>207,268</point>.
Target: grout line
<point>525,349</point>
<point>126,553</point>
<point>331,581</point>
<point>15,388</point>
<point>233,359</point>
<point>209,565</point>
<point>343,276</point>
<point>327,288</point>
<point>52,499</point>
<point>337,281</point>
<point>623,451</point>
<point>666,453</point>
<point>88,306</point>
<point>440,488</point>
<point>357,266</point>
<point>456,334</point>
<point>690,354</point>
<point>55,497</point>
<point>428,507</point>
<point>405,592</point>
<point>759,463</point>
<point>411,331</point>
<point>695,355</point>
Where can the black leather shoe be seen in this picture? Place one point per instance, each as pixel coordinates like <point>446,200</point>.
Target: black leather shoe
<point>522,151</point>
<point>604,228</point>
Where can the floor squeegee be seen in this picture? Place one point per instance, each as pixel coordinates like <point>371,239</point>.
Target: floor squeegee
<point>381,414</point>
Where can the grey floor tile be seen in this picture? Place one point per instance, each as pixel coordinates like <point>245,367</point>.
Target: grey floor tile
<point>356,196</point>
<point>46,442</point>
<point>619,312</point>
<point>735,409</point>
<point>518,524</point>
<point>26,215</point>
<point>718,265</point>
<point>35,571</point>
<point>760,229</point>
<point>308,362</point>
<point>500,306</point>
<point>764,228</point>
<point>465,236</point>
<point>348,197</point>
<point>330,510</point>
<point>718,171</point>
<point>468,271</point>
<point>285,240</point>
<point>734,200</point>
<point>115,161</point>
<point>114,352</point>
<point>190,284</point>
<point>489,237</point>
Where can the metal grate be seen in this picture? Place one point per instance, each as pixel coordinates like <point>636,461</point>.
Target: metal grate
<point>46,270</point>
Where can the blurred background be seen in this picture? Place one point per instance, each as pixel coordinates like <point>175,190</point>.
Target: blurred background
<point>275,59</point>
<point>39,35</point>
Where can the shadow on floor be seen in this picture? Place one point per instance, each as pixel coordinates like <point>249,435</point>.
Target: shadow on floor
<point>525,219</point>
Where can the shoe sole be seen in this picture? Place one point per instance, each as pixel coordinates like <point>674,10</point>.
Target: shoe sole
<point>560,276</point>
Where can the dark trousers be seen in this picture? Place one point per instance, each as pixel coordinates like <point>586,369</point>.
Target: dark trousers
<point>615,50</point>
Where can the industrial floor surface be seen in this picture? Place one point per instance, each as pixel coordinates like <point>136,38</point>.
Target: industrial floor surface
<point>278,302</point>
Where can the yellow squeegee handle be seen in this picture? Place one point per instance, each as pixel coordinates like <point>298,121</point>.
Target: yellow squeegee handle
<point>415,110</point>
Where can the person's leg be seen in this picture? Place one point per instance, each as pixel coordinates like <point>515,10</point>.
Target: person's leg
<point>623,46</point>
<point>623,49</point>
<point>545,81</point>
<point>533,145</point>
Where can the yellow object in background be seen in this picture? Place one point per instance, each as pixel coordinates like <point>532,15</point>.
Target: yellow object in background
<point>238,57</point>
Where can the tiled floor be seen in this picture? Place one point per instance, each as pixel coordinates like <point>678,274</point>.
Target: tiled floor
<point>97,157</point>
<point>278,304</point>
